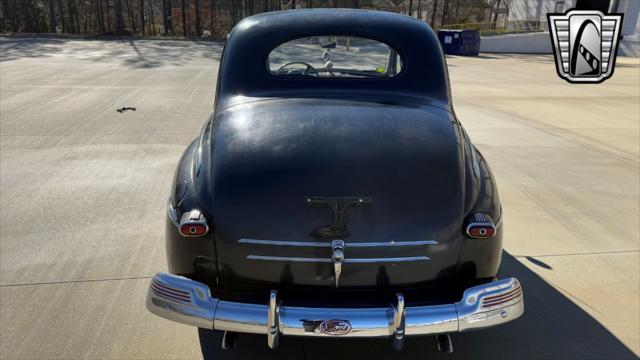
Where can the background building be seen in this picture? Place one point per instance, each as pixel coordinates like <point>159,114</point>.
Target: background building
<point>527,21</point>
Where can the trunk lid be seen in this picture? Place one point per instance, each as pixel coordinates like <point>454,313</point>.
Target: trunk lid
<point>270,157</point>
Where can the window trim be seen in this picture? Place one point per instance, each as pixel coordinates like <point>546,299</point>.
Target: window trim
<point>265,62</point>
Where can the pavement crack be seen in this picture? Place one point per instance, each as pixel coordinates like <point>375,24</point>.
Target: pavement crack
<point>511,257</point>
<point>76,281</point>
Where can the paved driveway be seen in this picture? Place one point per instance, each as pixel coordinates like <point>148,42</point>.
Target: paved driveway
<point>83,190</point>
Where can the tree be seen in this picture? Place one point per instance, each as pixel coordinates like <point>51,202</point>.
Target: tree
<point>166,16</point>
<point>62,22</point>
<point>153,18</point>
<point>184,18</point>
<point>130,15</point>
<point>170,15</point>
<point>495,16</point>
<point>433,14</point>
<point>88,18</point>
<point>76,16</point>
<point>24,6</point>
<point>52,17</point>
<point>142,17</point>
<point>71,9</point>
<point>100,15</point>
<point>445,11</point>
<point>119,18</point>
<point>213,17</point>
<point>198,27</point>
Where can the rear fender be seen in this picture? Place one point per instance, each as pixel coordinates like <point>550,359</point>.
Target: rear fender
<point>193,257</point>
<point>480,258</point>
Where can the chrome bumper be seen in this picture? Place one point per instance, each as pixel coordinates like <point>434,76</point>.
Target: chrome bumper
<point>190,302</point>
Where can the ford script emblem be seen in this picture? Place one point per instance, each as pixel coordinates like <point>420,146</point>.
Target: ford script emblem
<point>335,327</point>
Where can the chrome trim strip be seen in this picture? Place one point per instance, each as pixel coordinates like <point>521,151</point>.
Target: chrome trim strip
<point>393,243</point>
<point>385,260</point>
<point>288,258</point>
<point>328,244</point>
<point>328,260</point>
<point>475,310</point>
<point>173,213</point>
<point>474,159</point>
<point>285,243</point>
<point>198,154</point>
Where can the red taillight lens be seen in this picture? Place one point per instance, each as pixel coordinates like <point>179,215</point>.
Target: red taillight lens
<point>193,229</point>
<point>481,231</point>
<point>193,223</point>
<point>480,226</point>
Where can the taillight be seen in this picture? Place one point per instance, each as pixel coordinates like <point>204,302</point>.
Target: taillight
<point>480,226</point>
<point>193,223</point>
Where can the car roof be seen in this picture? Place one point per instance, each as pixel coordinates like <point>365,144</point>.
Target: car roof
<point>243,70</point>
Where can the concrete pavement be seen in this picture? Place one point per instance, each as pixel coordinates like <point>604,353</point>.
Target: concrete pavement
<point>83,191</point>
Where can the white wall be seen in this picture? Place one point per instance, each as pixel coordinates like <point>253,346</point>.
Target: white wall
<point>630,44</point>
<point>535,10</point>
<point>540,43</point>
<point>631,11</point>
<point>528,43</point>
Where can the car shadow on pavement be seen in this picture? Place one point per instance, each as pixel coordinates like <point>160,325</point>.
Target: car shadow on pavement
<point>552,327</point>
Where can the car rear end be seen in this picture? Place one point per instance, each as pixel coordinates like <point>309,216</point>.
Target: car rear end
<point>351,207</point>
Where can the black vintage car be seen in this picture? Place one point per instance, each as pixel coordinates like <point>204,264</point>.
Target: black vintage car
<point>333,192</point>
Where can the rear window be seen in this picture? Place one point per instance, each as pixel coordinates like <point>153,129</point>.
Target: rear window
<point>334,56</point>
